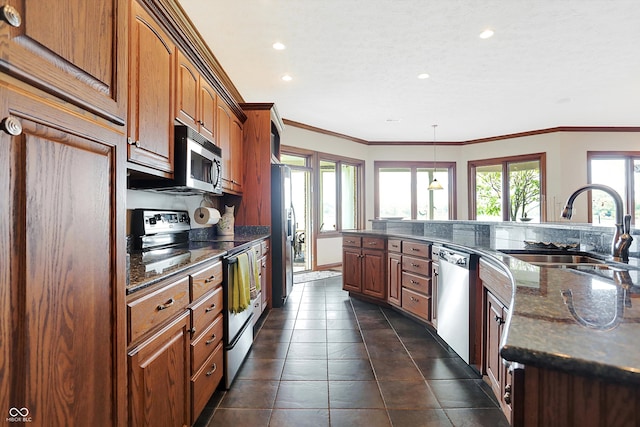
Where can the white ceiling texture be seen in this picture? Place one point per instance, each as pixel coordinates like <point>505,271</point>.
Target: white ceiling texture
<point>354,63</point>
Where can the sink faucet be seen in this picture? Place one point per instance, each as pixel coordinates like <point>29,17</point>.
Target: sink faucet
<point>621,238</point>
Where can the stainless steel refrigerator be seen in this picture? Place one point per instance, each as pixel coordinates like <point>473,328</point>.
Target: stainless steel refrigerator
<point>283,221</point>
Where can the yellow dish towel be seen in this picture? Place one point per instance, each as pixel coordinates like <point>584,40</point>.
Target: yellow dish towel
<point>240,295</point>
<point>254,268</point>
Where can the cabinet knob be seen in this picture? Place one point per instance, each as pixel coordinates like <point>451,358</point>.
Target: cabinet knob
<point>11,125</point>
<point>499,319</point>
<point>507,394</point>
<point>11,16</point>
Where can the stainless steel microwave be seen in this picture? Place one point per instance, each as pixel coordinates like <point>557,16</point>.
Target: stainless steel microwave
<point>197,167</point>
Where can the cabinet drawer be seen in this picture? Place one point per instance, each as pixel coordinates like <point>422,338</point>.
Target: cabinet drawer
<point>354,241</point>
<point>157,307</point>
<point>257,250</point>
<point>205,279</point>
<point>393,245</point>
<point>372,243</point>
<point>206,343</point>
<point>416,303</point>
<point>416,249</point>
<point>264,246</point>
<point>204,312</point>
<point>416,265</point>
<point>417,283</point>
<point>204,383</point>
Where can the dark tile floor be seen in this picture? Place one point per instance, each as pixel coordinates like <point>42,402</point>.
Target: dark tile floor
<point>326,359</point>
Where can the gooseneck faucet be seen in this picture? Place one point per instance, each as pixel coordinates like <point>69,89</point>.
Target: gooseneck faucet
<point>622,238</point>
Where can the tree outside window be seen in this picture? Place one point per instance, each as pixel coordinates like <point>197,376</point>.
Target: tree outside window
<point>507,189</point>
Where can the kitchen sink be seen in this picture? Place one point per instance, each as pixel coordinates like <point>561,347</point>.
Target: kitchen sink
<point>546,259</point>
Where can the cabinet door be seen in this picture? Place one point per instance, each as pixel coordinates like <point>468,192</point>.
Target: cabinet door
<point>159,378</point>
<point>493,363</point>
<point>82,61</point>
<point>394,266</point>
<point>223,124</point>
<point>62,297</point>
<point>373,266</point>
<point>151,80</point>
<point>208,106</point>
<point>187,80</point>
<point>351,270</point>
<point>236,154</point>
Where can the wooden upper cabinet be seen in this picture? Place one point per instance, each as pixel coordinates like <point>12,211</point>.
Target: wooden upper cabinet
<point>195,99</point>
<point>73,49</point>
<point>151,91</point>
<point>229,131</point>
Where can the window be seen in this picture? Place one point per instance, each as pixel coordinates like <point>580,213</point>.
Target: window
<point>339,193</point>
<point>401,190</point>
<point>507,189</point>
<point>620,171</point>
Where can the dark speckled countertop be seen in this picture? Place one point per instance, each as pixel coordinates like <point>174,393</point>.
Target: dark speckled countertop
<point>145,274</point>
<point>576,321</point>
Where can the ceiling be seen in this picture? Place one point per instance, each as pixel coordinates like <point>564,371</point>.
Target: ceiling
<point>355,63</point>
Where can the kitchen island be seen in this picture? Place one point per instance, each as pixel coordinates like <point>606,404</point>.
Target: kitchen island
<point>572,333</point>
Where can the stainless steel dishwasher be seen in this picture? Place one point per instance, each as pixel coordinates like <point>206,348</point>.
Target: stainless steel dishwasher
<point>455,281</point>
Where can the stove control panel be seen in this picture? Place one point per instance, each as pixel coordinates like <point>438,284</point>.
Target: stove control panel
<point>151,221</point>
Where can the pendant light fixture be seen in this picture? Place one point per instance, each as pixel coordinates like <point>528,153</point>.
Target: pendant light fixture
<point>435,184</point>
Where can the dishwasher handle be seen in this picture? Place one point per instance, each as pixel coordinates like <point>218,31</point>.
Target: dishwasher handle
<point>456,258</point>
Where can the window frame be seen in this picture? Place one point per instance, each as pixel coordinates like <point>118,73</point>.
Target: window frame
<point>314,158</point>
<point>628,197</point>
<point>504,162</point>
<point>414,166</point>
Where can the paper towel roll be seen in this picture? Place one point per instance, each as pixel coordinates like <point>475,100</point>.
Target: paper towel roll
<point>207,216</point>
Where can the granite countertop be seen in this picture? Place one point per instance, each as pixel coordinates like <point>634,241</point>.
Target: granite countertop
<point>143,274</point>
<point>585,322</point>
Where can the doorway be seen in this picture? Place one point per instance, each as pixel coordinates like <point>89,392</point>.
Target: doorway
<point>301,200</point>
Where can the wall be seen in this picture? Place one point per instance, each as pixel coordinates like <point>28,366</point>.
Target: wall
<point>566,161</point>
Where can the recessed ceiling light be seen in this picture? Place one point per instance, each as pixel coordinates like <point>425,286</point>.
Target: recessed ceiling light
<point>486,33</point>
<point>423,76</point>
<point>286,78</point>
<point>279,46</point>
<point>393,120</point>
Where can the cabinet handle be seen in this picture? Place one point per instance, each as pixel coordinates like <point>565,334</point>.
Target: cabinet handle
<point>213,369</point>
<point>208,309</point>
<point>415,249</point>
<point>414,299</point>
<point>210,279</point>
<point>212,340</point>
<point>349,241</point>
<point>415,265</point>
<point>499,319</point>
<point>166,305</point>
<point>414,282</point>
<point>11,16</point>
<point>130,141</point>
<point>373,243</point>
<point>11,125</point>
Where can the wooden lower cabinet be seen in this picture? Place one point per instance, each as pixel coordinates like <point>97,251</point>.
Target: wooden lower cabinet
<point>364,267</point>
<point>62,307</point>
<point>394,272</point>
<point>159,370</point>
